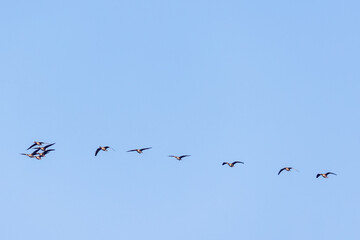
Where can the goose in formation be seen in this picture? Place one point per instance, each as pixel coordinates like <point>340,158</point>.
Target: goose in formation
<point>232,164</point>
<point>36,143</point>
<point>45,147</point>
<point>42,154</point>
<point>101,148</point>
<point>324,175</point>
<point>31,155</point>
<point>139,150</point>
<point>285,168</point>
<point>179,157</point>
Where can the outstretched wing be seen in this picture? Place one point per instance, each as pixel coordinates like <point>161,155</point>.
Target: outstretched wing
<point>35,152</point>
<point>132,150</point>
<point>330,173</point>
<point>47,151</point>
<point>182,156</point>
<point>224,163</point>
<point>318,175</point>
<point>237,162</point>
<point>110,148</point>
<point>172,156</point>
<point>142,149</point>
<point>281,170</point>
<point>48,145</point>
<point>31,146</point>
<point>97,151</point>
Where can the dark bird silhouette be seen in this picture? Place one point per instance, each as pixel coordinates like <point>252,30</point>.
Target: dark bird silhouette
<point>285,168</point>
<point>179,157</point>
<point>139,150</point>
<point>324,175</point>
<point>42,154</point>
<point>232,164</point>
<point>36,143</point>
<point>101,148</point>
<point>31,155</point>
<point>45,147</point>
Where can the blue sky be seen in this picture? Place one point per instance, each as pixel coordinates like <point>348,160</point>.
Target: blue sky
<point>270,83</point>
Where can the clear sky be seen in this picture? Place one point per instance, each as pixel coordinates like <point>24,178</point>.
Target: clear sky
<point>270,83</point>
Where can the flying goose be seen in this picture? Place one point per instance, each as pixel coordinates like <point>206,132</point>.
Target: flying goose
<point>285,168</point>
<point>101,148</point>
<point>45,147</point>
<point>139,150</point>
<point>179,157</point>
<point>31,155</point>
<point>36,143</point>
<point>324,175</point>
<point>232,164</point>
<point>42,154</point>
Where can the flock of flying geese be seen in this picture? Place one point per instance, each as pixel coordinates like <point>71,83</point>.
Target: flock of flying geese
<point>38,155</point>
<point>37,146</point>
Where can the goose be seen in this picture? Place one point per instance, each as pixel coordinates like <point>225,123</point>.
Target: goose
<point>36,143</point>
<point>324,175</point>
<point>31,155</point>
<point>232,164</point>
<point>179,157</point>
<point>285,168</point>
<point>139,150</point>
<point>45,147</point>
<point>42,154</point>
<point>101,148</point>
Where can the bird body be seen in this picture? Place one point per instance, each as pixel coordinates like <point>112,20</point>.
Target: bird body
<point>324,175</point>
<point>179,157</point>
<point>232,164</point>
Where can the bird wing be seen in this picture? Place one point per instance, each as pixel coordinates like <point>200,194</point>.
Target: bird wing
<point>132,150</point>
<point>31,146</point>
<point>97,150</point>
<point>237,162</point>
<point>281,170</point>
<point>142,149</point>
<point>47,151</point>
<point>224,163</point>
<point>318,175</point>
<point>330,173</point>
<point>35,152</point>
<point>172,156</point>
<point>48,145</point>
<point>182,156</point>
